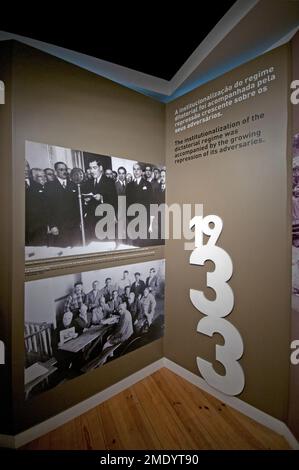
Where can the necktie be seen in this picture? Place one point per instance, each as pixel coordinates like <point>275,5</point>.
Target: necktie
<point>64,184</point>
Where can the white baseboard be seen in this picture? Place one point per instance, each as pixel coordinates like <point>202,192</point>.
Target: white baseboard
<point>257,415</point>
<point>75,411</point>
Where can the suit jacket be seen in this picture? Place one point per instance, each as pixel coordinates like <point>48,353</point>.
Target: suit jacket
<point>155,185</point>
<point>141,193</point>
<point>63,211</point>
<point>120,188</point>
<point>152,283</point>
<point>107,293</point>
<point>149,304</point>
<point>138,289</point>
<point>92,299</point>
<point>115,303</point>
<point>160,195</point>
<point>105,187</point>
<point>136,310</point>
<point>36,218</point>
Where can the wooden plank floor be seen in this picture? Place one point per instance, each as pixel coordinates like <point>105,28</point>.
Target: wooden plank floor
<point>162,411</point>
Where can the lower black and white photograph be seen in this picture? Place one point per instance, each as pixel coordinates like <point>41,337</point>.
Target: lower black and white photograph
<point>79,322</point>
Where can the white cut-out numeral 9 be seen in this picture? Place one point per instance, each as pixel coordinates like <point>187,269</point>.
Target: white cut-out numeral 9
<point>232,383</point>
<point>202,227</point>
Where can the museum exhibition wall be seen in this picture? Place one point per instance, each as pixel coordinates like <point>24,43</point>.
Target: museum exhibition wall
<point>62,110</point>
<point>235,164</point>
<point>226,147</point>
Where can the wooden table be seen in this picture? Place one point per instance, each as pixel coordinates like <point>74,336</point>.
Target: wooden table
<point>50,369</point>
<point>78,344</point>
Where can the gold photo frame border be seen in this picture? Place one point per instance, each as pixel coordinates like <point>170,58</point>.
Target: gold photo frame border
<point>48,265</point>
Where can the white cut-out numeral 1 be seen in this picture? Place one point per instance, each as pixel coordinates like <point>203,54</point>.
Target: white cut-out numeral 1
<point>232,383</point>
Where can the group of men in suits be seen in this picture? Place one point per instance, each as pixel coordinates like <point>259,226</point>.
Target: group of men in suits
<point>129,303</point>
<point>53,209</point>
<point>138,296</point>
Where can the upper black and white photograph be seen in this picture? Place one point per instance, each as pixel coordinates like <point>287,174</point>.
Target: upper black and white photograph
<point>68,194</point>
<point>79,322</point>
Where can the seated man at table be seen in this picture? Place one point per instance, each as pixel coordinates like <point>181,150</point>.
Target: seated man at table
<point>66,328</point>
<point>65,322</point>
<point>64,358</point>
<point>123,330</point>
<point>101,312</point>
<point>83,321</point>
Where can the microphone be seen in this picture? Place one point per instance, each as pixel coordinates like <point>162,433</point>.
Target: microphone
<point>77,177</point>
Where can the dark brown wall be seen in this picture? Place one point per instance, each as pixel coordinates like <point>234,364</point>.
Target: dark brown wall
<point>60,104</point>
<point>5,238</point>
<point>248,189</point>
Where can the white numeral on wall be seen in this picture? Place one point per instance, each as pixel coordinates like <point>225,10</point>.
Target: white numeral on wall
<point>232,383</point>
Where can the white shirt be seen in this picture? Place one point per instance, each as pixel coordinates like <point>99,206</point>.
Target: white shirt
<point>124,283</point>
<point>62,182</point>
<point>98,179</point>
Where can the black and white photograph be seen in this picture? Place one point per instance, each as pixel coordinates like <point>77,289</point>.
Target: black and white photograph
<point>79,322</point>
<point>295,224</point>
<point>66,189</point>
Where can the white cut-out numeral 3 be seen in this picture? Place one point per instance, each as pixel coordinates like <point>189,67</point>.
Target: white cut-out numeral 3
<point>232,383</point>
